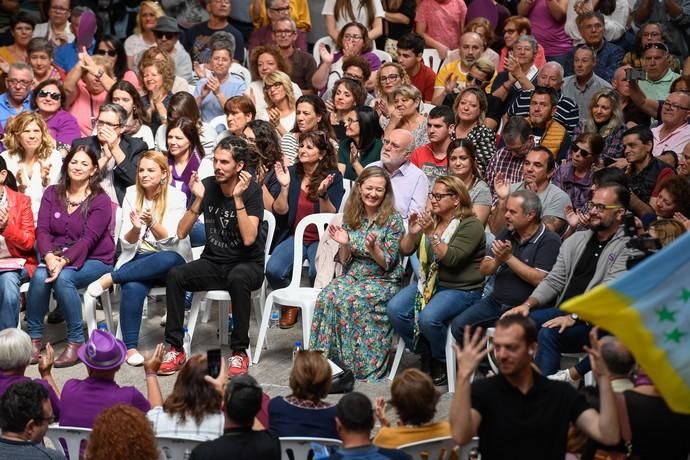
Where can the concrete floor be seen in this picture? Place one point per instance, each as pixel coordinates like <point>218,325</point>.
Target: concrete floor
<point>272,371</point>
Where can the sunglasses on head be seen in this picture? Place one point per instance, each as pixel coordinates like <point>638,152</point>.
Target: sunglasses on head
<point>52,94</point>
<point>166,35</point>
<point>111,53</point>
<point>583,153</point>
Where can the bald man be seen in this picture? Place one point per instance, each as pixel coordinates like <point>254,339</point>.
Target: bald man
<point>453,75</point>
<point>410,185</point>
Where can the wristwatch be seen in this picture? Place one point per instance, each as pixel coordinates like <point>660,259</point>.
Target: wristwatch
<point>575,316</point>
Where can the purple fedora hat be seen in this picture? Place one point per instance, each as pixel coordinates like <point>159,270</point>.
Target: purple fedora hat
<point>102,351</point>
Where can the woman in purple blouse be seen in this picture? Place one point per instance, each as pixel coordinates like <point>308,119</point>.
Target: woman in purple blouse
<point>48,99</point>
<point>76,246</point>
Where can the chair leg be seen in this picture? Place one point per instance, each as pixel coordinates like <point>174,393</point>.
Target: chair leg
<point>206,311</point>
<point>306,326</point>
<point>108,310</point>
<point>90,314</point>
<point>194,313</point>
<point>450,362</point>
<point>223,308</point>
<point>145,308</point>
<point>268,305</point>
<point>399,350</point>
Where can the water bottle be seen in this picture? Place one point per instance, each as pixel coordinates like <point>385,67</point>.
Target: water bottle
<point>275,316</point>
<point>103,327</point>
<point>298,347</point>
<point>187,342</point>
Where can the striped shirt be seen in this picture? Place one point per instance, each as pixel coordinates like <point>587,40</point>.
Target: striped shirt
<point>567,112</point>
<point>507,163</point>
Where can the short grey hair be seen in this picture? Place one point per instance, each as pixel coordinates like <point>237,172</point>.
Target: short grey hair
<point>530,202</point>
<point>558,66</point>
<point>529,39</point>
<point>15,349</point>
<point>222,41</point>
<point>293,26</point>
<point>21,66</point>
<point>117,109</point>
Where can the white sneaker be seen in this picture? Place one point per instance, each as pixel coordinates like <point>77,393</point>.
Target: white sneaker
<point>564,376</point>
<point>135,360</point>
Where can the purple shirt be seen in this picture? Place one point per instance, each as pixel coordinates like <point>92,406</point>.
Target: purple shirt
<point>549,32</point>
<point>63,127</point>
<point>264,36</point>
<point>7,381</point>
<point>181,181</point>
<point>83,400</point>
<point>80,237</point>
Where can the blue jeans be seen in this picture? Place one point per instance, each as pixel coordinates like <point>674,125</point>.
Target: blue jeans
<point>279,266</point>
<point>197,237</point>
<point>551,343</point>
<point>66,288</point>
<point>137,277</point>
<point>444,305</point>
<point>9,296</point>
<point>484,313</point>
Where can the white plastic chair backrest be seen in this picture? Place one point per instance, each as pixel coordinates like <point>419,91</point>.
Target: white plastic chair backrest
<point>300,448</point>
<point>321,220</point>
<point>382,55</point>
<point>191,89</point>
<point>490,331</point>
<point>326,41</point>
<point>175,448</point>
<point>68,439</point>
<point>241,72</point>
<point>219,121</point>
<point>430,449</point>
<point>347,185</point>
<point>432,59</point>
<point>271,220</point>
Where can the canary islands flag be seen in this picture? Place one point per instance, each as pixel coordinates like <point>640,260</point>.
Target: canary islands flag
<point>648,309</point>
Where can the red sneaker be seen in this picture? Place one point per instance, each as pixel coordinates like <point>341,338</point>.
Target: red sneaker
<point>172,361</point>
<point>238,364</point>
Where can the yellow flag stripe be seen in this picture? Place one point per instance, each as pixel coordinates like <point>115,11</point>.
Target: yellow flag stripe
<point>613,311</point>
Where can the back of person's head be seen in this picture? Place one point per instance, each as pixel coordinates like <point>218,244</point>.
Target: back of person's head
<point>618,359</point>
<point>21,403</point>
<point>122,432</point>
<point>355,413</point>
<point>609,175</point>
<point>442,111</point>
<point>524,322</point>
<point>414,397</point>
<point>666,230</point>
<point>192,397</point>
<point>412,41</point>
<point>242,399</point>
<point>15,349</point>
<point>517,129</point>
<point>311,375</point>
<point>622,194</point>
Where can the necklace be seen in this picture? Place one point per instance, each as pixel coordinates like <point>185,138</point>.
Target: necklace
<point>76,204</point>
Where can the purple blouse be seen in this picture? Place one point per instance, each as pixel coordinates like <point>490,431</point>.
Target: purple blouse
<point>181,181</point>
<point>63,127</point>
<point>7,381</point>
<point>80,237</point>
<point>83,400</point>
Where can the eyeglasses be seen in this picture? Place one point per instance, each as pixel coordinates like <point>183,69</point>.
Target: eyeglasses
<point>659,46</point>
<point>284,9</point>
<point>111,53</point>
<point>15,82</point>
<point>349,121</point>
<point>101,123</point>
<point>471,79</point>
<point>599,207</point>
<point>166,35</point>
<point>391,78</point>
<point>284,32</point>
<point>352,37</point>
<point>274,85</point>
<point>670,106</point>
<point>59,9</point>
<point>583,153</point>
<point>54,95</point>
<point>439,196</point>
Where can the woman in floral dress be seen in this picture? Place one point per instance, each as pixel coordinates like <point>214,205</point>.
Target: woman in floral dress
<point>350,321</point>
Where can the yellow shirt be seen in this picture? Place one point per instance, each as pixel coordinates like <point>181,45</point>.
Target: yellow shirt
<point>299,12</point>
<point>392,437</point>
<point>453,68</point>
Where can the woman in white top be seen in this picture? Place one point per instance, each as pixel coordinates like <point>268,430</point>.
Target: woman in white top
<point>31,156</point>
<point>150,246</point>
<point>143,37</point>
<point>280,100</point>
<point>124,94</point>
<point>264,60</point>
<point>337,13</point>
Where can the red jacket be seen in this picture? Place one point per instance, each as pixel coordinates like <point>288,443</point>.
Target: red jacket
<point>20,233</point>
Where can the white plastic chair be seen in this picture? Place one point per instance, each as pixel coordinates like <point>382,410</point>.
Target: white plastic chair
<point>326,41</point>
<point>382,55</point>
<point>240,72</point>
<point>219,121</point>
<point>294,448</point>
<point>432,59</point>
<point>431,449</point>
<point>67,439</point>
<point>294,294</point>
<point>175,448</point>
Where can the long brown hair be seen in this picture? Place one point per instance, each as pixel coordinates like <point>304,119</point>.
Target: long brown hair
<point>95,188</point>
<point>161,198</point>
<point>354,208</point>
<point>326,165</point>
<point>192,396</point>
<point>344,8</point>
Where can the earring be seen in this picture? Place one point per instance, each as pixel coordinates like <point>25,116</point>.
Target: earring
<point>163,181</point>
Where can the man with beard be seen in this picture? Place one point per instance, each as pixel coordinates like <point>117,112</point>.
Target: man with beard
<point>520,414</point>
<point>233,258</point>
<point>546,131</point>
<point>453,75</point>
<point>585,260</point>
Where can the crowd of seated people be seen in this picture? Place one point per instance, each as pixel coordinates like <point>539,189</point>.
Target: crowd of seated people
<point>503,174</point>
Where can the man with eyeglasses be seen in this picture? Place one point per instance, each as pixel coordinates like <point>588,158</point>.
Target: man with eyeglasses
<point>660,76</point>
<point>674,131</point>
<point>609,56</point>
<point>25,415</point>
<point>57,29</point>
<point>644,171</point>
<point>167,34</point>
<point>266,35</point>
<point>581,86</point>
<point>287,38</point>
<point>196,39</point>
<point>19,85</point>
<point>585,260</point>
<point>118,153</point>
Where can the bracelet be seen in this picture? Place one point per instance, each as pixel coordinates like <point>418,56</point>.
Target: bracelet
<point>151,374</point>
<point>240,209</point>
<point>324,196</point>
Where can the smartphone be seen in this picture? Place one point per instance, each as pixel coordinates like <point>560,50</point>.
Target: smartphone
<point>213,358</point>
<point>635,74</point>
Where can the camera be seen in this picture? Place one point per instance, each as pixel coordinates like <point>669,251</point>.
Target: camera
<point>645,244</point>
<point>635,74</point>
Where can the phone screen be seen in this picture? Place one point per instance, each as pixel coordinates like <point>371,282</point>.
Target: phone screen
<point>213,357</point>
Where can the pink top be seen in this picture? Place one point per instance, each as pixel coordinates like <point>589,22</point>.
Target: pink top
<point>444,20</point>
<point>549,32</point>
<point>132,78</point>
<point>86,107</point>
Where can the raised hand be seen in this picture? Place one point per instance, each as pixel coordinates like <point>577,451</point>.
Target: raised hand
<point>325,183</point>
<point>381,108</point>
<point>451,83</point>
<point>414,226</point>
<point>213,84</point>
<point>4,218</point>
<point>199,69</point>
<point>282,174</point>
<point>45,173</point>
<point>502,250</point>
<point>219,382</point>
<point>501,186</point>
<point>196,186</point>
<point>354,154</point>
<point>380,411</point>
<point>326,56</point>
<point>370,241</point>
<point>426,221</point>
<point>338,234</point>
<point>274,116</point>
<point>146,217</point>
<point>242,185</point>
<point>21,185</point>
<point>46,361</point>
<point>471,354</point>
<point>4,66</point>
<point>152,363</point>
<point>135,218</point>
<point>593,350</point>
<point>682,219</point>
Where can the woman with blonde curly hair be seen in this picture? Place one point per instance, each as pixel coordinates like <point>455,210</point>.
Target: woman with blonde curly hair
<point>31,156</point>
<point>264,60</point>
<point>155,53</point>
<point>157,79</point>
<point>280,101</point>
<point>143,37</point>
<point>133,439</point>
<point>369,250</point>
<point>390,77</point>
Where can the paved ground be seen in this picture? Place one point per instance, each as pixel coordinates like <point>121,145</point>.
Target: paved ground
<point>272,371</point>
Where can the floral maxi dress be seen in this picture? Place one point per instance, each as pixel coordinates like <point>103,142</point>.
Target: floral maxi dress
<point>350,322</point>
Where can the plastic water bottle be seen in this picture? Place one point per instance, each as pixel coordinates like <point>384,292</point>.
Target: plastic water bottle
<point>102,327</point>
<point>187,342</point>
<point>275,316</point>
<point>298,347</point>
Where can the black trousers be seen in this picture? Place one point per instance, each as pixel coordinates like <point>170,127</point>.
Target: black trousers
<point>203,275</point>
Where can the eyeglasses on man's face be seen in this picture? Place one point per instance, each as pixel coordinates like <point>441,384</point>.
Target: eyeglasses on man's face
<point>600,207</point>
